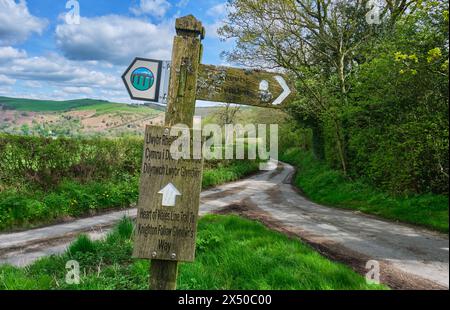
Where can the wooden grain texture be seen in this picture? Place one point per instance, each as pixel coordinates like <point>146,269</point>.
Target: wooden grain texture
<point>241,86</point>
<point>183,72</point>
<point>167,232</point>
<point>163,275</point>
<point>186,54</point>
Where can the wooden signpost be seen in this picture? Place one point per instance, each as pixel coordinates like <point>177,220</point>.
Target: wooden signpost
<point>169,190</point>
<point>168,202</point>
<point>169,193</point>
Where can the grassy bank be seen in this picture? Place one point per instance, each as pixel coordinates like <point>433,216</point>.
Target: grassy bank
<point>20,209</point>
<point>330,187</point>
<point>232,253</point>
<point>228,173</point>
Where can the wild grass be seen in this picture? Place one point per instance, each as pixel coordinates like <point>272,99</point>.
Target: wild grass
<point>71,199</point>
<point>232,172</point>
<point>232,253</point>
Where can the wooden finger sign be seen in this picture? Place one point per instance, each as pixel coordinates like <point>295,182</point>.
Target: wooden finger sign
<point>169,198</point>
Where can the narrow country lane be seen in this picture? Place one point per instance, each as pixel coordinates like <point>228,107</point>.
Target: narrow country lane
<point>409,257</point>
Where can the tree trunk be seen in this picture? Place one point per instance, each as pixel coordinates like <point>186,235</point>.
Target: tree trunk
<point>340,146</point>
<point>318,141</point>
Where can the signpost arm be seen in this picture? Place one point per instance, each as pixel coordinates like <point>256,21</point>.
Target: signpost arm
<point>181,107</point>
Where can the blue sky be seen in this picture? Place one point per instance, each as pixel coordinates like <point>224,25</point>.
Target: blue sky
<point>44,57</point>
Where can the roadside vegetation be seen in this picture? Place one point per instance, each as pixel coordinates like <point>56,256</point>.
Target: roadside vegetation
<point>44,180</point>
<point>373,95</point>
<point>270,261</point>
<point>229,171</point>
<point>326,184</point>
<point>372,115</point>
<point>330,187</point>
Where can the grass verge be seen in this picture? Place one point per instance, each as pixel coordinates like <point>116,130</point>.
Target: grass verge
<point>71,199</point>
<point>326,186</point>
<point>232,253</point>
<point>232,172</point>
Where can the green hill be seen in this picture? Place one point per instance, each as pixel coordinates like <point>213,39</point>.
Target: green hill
<point>82,117</point>
<point>101,106</point>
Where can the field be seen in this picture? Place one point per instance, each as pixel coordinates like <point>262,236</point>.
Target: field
<point>32,105</point>
<point>241,254</point>
<point>84,117</point>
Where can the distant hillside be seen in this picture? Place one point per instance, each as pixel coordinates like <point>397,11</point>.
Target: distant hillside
<point>155,106</point>
<point>31,105</point>
<point>206,111</point>
<point>75,117</point>
<point>211,111</point>
<point>87,117</point>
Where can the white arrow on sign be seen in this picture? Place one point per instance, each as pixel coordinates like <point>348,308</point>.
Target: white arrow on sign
<point>286,91</point>
<point>170,193</point>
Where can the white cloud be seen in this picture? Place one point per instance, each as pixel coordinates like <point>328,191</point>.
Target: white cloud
<point>78,90</point>
<point>115,39</point>
<point>182,3</point>
<point>32,84</point>
<point>6,91</point>
<point>16,22</point>
<point>157,8</point>
<point>52,76</point>
<point>95,54</point>
<point>9,53</point>
<point>58,71</point>
<point>4,80</point>
<point>219,10</point>
<point>212,29</point>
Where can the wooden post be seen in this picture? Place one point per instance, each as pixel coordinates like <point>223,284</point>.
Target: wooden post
<point>186,54</point>
<point>183,72</point>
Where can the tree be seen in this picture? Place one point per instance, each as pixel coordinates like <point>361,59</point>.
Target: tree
<point>318,41</point>
<point>374,95</point>
<point>398,117</point>
<point>227,114</point>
